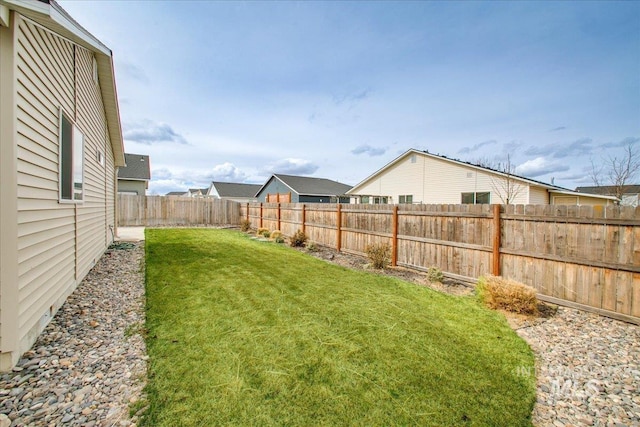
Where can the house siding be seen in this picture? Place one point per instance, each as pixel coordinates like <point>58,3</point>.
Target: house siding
<point>538,196</point>
<point>276,186</point>
<point>431,180</point>
<point>560,199</point>
<point>126,186</point>
<point>8,199</point>
<point>57,243</point>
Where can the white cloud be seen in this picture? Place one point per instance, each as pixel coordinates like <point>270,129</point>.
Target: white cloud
<point>149,132</point>
<point>367,149</point>
<point>227,172</point>
<point>540,166</point>
<point>292,166</point>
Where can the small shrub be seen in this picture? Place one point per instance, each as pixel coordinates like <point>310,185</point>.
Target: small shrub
<point>379,254</point>
<point>298,239</point>
<point>499,293</point>
<point>275,234</point>
<point>434,274</point>
<point>245,225</point>
<point>263,232</point>
<point>311,247</point>
<point>279,239</point>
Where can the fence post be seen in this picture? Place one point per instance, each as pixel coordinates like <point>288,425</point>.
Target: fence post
<point>495,268</point>
<point>304,217</point>
<point>339,228</point>
<point>394,241</point>
<point>260,214</point>
<point>279,213</point>
<point>247,211</point>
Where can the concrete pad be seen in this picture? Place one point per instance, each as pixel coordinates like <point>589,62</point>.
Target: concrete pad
<point>130,234</point>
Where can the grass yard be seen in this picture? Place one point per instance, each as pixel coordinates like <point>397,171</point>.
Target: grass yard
<point>244,333</point>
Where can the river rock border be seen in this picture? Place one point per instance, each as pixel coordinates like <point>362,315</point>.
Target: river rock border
<point>88,367</point>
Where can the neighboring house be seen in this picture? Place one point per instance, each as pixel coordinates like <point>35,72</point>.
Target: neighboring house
<point>630,196</point>
<point>420,177</point>
<point>302,189</point>
<point>177,193</point>
<point>134,177</point>
<point>60,147</point>
<point>234,191</point>
<point>196,192</point>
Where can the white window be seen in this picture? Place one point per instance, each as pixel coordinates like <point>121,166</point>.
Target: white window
<point>380,200</point>
<point>71,160</point>
<point>405,199</point>
<point>478,198</point>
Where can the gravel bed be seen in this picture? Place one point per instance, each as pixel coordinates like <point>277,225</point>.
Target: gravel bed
<point>588,370</point>
<point>88,367</point>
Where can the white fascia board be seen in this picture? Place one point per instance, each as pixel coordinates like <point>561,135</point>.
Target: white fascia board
<point>4,16</point>
<point>577,193</point>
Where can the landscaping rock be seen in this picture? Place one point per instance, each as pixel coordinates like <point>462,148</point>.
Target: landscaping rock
<point>87,358</point>
<point>587,369</point>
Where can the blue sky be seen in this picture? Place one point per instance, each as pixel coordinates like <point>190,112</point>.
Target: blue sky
<point>236,91</point>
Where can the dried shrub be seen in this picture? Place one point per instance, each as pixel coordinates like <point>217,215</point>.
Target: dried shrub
<point>379,254</point>
<point>311,246</point>
<point>263,232</point>
<point>279,239</point>
<point>434,274</point>
<point>298,239</point>
<point>499,293</point>
<point>245,225</point>
<point>275,234</point>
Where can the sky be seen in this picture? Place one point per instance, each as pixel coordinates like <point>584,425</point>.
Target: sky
<point>237,91</point>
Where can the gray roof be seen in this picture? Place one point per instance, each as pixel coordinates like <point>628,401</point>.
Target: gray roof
<point>609,189</point>
<point>232,189</point>
<point>137,167</point>
<point>176,193</point>
<point>309,186</point>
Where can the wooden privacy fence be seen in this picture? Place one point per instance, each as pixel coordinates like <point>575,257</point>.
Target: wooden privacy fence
<point>579,256</point>
<point>163,211</point>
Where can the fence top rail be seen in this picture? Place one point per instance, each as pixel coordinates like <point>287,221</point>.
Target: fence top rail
<point>572,220</point>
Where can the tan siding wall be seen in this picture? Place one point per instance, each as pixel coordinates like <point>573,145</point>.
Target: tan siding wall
<point>92,239</point>
<point>560,199</point>
<point>139,187</point>
<point>432,180</point>
<point>538,196</point>
<point>45,228</point>
<point>57,242</point>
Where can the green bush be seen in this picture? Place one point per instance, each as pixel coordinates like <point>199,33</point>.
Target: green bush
<point>279,239</point>
<point>311,246</point>
<point>298,239</point>
<point>245,225</point>
<point>434,274</point>
<point>263,232</point>
<point>379,254</point>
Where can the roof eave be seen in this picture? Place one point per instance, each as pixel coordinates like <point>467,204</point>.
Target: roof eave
<point>54,18</point>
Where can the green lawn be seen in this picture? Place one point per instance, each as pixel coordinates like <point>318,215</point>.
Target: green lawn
<point>242,332</point>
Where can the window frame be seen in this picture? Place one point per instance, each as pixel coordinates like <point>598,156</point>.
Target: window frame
<point>475,196</point>
<point>405,199</point>
<point>69,175</point>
